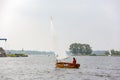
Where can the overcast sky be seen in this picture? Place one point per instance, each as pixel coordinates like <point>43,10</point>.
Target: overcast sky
<point>26,23</point>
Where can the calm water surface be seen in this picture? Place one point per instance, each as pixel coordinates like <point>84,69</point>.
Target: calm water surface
<point>42,67</point>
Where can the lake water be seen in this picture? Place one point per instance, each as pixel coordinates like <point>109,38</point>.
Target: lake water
<point>42,67</point>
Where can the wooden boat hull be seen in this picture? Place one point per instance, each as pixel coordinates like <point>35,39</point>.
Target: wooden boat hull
<point>66,65</point>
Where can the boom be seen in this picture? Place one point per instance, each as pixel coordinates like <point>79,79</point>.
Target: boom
<point>3,39</point>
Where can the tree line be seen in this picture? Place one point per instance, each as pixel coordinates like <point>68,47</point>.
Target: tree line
<point>113,53</point>
<point>80,49</point>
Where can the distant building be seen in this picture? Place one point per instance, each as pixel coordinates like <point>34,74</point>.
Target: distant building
<point>2,52</point>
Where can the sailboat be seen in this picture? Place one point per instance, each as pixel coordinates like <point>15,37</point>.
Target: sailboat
<point>110,53</point>
<point>61,64</point>
<point>66,65</point>
<point>60,54</point>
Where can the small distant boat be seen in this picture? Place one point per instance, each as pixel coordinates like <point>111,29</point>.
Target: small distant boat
<point>110,53</point>
<point>66,65</point>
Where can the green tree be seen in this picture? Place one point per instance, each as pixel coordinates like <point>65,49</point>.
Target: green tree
<point>74,48</point>
<point>116,53</point>
<point>88,49</point>
<point>107,53</point>
<point>78,48</point>
<point>112,51</point>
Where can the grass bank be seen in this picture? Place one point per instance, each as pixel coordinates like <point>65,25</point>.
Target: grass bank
<point>17,55</point>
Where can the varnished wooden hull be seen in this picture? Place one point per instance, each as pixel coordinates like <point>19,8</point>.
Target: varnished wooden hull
<point>66,65</point>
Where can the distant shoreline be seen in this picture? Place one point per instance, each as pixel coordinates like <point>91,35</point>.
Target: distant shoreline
<point>16,55</point>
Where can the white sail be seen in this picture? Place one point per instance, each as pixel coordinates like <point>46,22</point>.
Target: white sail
<point>59,54</point>
<point>109,53</point>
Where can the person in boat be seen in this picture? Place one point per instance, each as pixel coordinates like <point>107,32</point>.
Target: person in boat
<point>74,61</point>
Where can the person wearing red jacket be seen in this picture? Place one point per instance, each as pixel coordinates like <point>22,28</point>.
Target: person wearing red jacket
<point>74,61</point>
